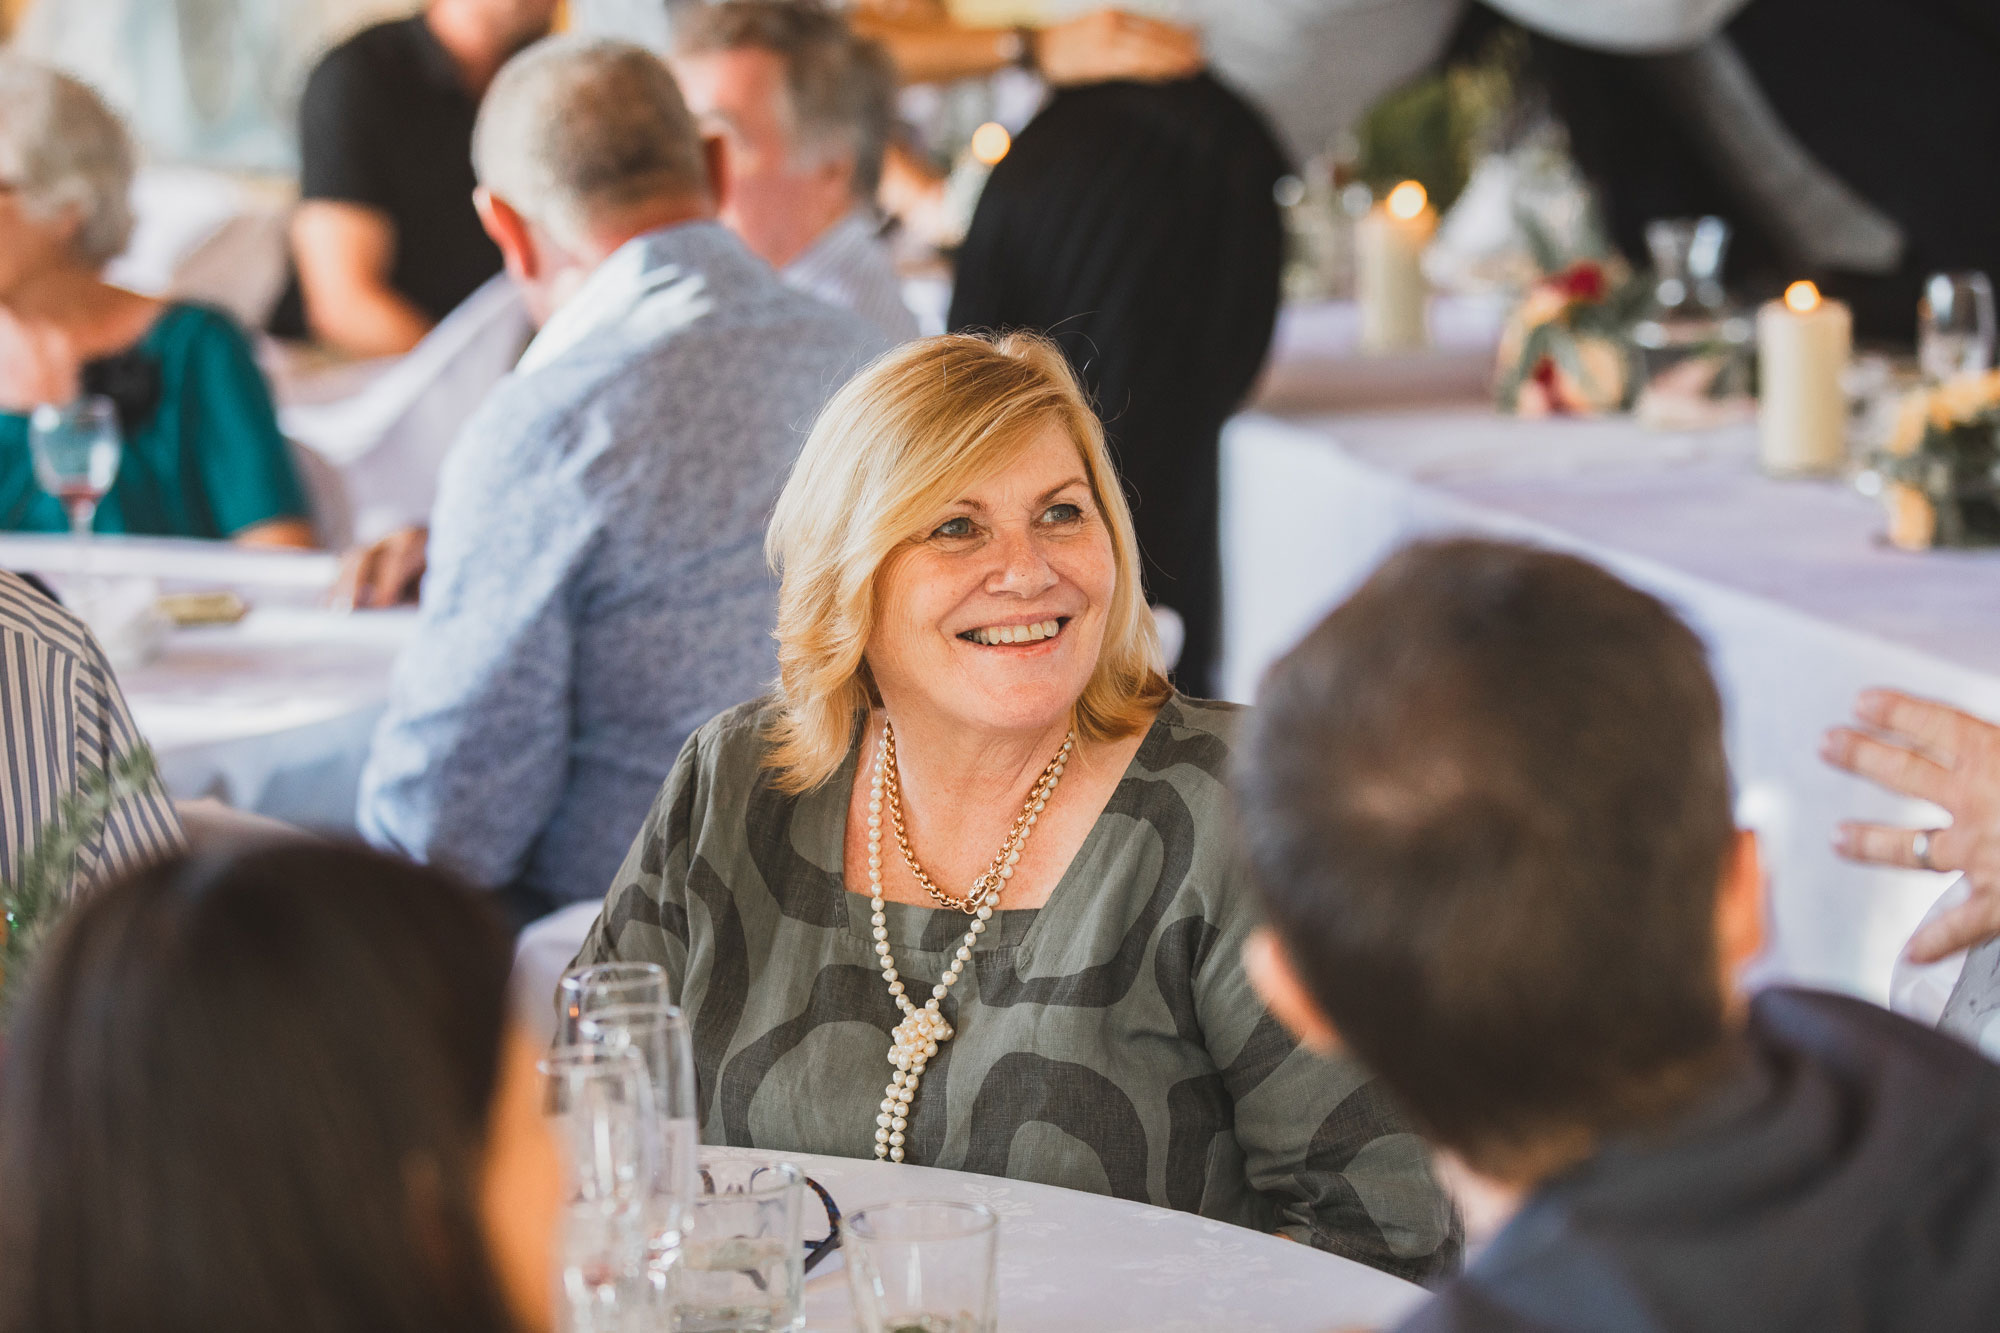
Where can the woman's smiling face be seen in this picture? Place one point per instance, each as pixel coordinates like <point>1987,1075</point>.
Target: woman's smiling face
<point>993,616</point>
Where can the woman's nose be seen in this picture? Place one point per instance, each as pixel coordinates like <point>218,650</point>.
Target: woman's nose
<point>1020,567</point>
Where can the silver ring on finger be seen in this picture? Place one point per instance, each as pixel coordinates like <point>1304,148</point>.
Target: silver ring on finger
<point>1920,846</point>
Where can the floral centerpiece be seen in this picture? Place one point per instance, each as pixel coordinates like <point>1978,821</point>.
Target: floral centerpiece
<point>1941,469</point>
<point>1563,351</point>
<point>34,901</point>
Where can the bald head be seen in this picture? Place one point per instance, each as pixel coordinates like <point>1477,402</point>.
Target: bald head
<point>578,132</point>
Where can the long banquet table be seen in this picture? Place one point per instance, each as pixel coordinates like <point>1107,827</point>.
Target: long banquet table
<point>1072,1262</point>
<point>272,714</point>
<point>1801,604</point>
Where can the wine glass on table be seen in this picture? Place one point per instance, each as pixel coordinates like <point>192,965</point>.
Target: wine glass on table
<point>1955,329</point>
<point>76,451</point>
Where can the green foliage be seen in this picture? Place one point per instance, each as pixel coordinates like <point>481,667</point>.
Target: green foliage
<point>1434,128</point>
<point>32,904</point>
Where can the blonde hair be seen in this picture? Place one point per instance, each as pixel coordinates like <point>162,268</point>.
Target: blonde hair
<point>900,442</point>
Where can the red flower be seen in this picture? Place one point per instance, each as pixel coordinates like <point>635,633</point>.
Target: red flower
<point>1581,281</point>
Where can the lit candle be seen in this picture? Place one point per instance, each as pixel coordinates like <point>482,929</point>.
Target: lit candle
<point>1803,343</point>
<point>1389,277</point>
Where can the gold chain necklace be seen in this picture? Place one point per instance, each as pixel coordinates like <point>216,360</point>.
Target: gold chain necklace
<point>914,1043</point>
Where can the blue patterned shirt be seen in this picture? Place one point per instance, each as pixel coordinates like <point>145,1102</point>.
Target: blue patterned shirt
<point>597,586</point>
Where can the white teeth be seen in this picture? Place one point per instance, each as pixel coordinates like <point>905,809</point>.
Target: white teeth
<point>1001,634</point>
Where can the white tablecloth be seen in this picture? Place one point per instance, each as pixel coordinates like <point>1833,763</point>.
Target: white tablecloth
<point>272,714</point>
<point>1072,1262</point>
<point>1801,604</point>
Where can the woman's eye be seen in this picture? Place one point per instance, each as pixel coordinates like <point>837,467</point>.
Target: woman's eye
<point>954,527</point>
<point>1062,513</point>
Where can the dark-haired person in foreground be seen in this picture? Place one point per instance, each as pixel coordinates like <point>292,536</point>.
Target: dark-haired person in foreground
<point>1489,809</point>
<point>277,1090</point>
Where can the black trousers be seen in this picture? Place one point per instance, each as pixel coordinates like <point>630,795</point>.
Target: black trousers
<point>1136,224</point>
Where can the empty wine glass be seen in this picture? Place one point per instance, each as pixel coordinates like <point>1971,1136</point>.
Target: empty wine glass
<point>76,451</point>
<point>1955,326</point>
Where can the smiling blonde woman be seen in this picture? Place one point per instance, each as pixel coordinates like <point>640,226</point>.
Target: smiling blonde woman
<point>963,890</point>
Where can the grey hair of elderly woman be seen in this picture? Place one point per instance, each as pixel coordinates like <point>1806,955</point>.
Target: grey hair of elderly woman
<point>65,153</point>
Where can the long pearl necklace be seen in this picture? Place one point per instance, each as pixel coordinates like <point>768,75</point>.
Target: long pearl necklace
<point>914,1043</point>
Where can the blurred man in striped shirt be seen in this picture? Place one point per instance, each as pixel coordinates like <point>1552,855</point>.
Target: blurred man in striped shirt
<point>62,720</point>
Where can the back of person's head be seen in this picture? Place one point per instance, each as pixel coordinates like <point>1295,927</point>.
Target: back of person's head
<point>1489,811</point>
<point>65,153</point>
<point>252,1093</point>
<point>840,85</point>
<point>574,131</point>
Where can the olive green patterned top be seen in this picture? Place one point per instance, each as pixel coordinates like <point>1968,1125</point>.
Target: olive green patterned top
<point>1108,1041</point>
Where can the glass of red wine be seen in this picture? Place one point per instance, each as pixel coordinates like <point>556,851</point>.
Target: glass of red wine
<point>76,450</point>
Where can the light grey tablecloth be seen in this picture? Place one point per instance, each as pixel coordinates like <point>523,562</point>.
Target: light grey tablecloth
<point>1084,1263</point>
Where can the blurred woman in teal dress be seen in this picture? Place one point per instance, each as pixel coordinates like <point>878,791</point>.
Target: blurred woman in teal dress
<point>203,453</point>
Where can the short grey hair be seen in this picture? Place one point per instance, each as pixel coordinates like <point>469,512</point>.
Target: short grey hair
<point>842,86</point>
<point>576,127</point>
<point>65,152</point>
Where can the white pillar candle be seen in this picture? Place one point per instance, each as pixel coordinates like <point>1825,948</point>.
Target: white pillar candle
<point>1803,344</point>
<point>1388,270</point>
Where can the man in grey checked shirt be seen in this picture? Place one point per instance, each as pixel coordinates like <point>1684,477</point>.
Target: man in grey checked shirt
<point>596,585</point>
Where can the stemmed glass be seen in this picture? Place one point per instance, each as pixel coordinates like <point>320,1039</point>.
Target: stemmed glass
<point>600,1102</point>
<point>76,451</point>
<point>603,986</point>
<point>1955,326</point>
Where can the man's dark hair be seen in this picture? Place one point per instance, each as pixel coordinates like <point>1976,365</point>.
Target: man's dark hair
<point>842,86</point>
<point>252,1092</point>
<point>1489,812</point>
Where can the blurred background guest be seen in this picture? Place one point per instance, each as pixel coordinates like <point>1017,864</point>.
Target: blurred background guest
<point>960,626</point>
<point>202,453</point>
<point>67,725</point>
<point>596,587</point>
<point>281,1086</point>
<point>806,108</point>
<point>385,241</point>
<point>1136,223</point>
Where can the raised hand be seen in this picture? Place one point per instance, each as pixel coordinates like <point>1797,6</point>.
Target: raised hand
<point>1929,750</point>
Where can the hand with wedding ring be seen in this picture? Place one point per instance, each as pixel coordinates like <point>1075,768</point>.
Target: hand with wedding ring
<point>1929,750</point>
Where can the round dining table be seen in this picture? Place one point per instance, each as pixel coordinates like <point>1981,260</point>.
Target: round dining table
<point>1072,1262</point>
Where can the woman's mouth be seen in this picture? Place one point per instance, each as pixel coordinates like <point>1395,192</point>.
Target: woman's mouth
<point>998,636</point>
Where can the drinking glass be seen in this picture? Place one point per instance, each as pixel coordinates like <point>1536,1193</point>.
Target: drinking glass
<point>924,1266</point>
<point>659,1034</point>
<point>76,451</point>
<point>603,986</point>
<point>1955,326</point>
<point>742,1266</point>
<point>601,1103</point>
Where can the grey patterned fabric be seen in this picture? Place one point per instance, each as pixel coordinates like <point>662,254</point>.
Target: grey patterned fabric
<point>1108,1041</point>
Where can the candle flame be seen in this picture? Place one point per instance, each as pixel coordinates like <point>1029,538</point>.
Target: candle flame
<point>991,141</point>
<point>1407,200</point>
<point>1802,297</point>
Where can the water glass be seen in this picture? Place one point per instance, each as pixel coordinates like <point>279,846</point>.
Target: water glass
<point>742,1267</point>
<point>601,1104</point>
<point>659,1034</point>
<point>76,452</point>
<point>604,986</point>
<point>924,1266</point>
<point>1955,326</point>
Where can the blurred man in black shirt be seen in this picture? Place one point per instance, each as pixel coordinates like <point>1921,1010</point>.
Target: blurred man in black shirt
<point>385,241</point>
